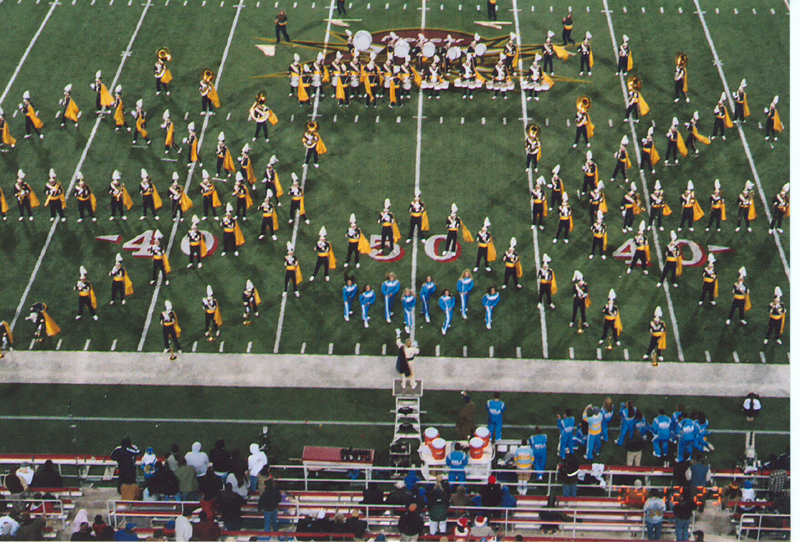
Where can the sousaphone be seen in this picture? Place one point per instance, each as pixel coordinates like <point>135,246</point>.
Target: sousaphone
<point>635,83</point>
<point>164,54</point>
<point>584,103</point>
<point>208,75</point>
<point>681,59</point>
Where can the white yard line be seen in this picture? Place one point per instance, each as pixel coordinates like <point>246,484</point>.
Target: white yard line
<point>149,320</point>
<point>747,152</point>
<point>530,177</point>
<point>125,55</point>
<point>28,50</point>
<point>635,138</point>
<point>303,184</point>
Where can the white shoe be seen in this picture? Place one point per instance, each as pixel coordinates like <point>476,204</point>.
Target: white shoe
<point>591,256</point>
<point>274,237</point>
<point>297,294</point>
<point>658,285</point>
<point>199,266</point>
<point>727,322</point>
<point>552,306</point>
<point>603,256</point>
<point>311,279</point>
<point>261,237</point>
<point>366,324</point>
<point>629,270</point>
<point>327,278</point>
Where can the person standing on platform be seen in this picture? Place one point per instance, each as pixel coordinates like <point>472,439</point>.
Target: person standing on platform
<point>495,408</point>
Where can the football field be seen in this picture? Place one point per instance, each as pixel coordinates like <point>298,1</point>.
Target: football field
<point>468,152</point>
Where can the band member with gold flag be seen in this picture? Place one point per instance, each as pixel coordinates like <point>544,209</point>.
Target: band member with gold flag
<point>777,318</point>
<point>119,110</point>
<point>298,201</point>
<point>357,242</point>
<point>86,295</point>
<point>32,121</point>
<point>742,109</point>
<point>71,110</point>
<point>213,316</point>
<point>209,99</point>
<point>197,244</point>
<point>747,207</point>
<point>629,205</point>
<point>251,300</point>
<point>326,260</point>
<point>150,197</point>
<point>370,78</point>
<point>634,105</point>
<point>272,180</point>
<point>261,115</point>
<point>547,283</point>
<point>247,167</point>
<point>232,236</point>
<point>141,122</point>
<point>623,161</point>
<point>313,144</point>
<point>56,199</point>
<point>339,80</point>
<point>293,273</point>
<point>26,197</point>
<point>650,156</point>
<point>170,328</point>
<point>599,235</point>
<point>389,230</point>
<point>243,199</point>
<point>513,264</point>
<point>694,134</point>
<point>717,203</point>
<point>45,325</point>
<point>419,218</point>
<point>741,298</point>
<point>85,197</point>
<point>169,139</point>
<point>625,58</point>
<point>121,284</point>
<point>690,207</point>
<point>180,200</point>
<point>533,148</point>
<point>161,72</point>
<point>580,300</point>
<point>565,222</point>
<point>681,78</point>
<point>674,261</point>
<point>5,134</point>
<point>210,197</point>
<point>780,209</point>
<point>486,248</point>
<point>658,206</point>
<point>591,175</point>
<point>548,52</point>
<point>192,141</point>
<point>611,320</point>
<point>675,142</point>
<point>538,204</point>
<point>104,99</point>
<point>597,200</point>
<point>710,282</point>
<point>3,205</point>
<point>305,82</point>
<point>224,158</point>
<point>642,250</point>
<point>160,260</point>
<point>269,218</point>
<point>556,186</point>
<point>774,124</point>
<point>587,56</point>
<point>658,337</point>
<point>120,199</point>
<point>722,119</point>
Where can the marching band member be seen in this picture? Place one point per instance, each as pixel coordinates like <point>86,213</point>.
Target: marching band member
<point>491,10</point>
<point>547,282</point>
<point>197,245</point>
<point>104,98</point>
<point>717,203</point>
<point>391,81</point>
<point>599,236</point>
<point>319,74</point>
<point>121,284</point>
<point>747,208</point>
<point>298,205</point>
<point>293,273</point>
<point>357,244</point>
<point>86,296</point>
<point>366,299</point>
<point>180,201</point>
<point>513,265</point>
<point>548,52</point>
<point>658,336</point>
<point>741,298</point>
<point>5,135</point>
<point>489,301</point>
<point>251,300</point>
<point>261,115</point>
<point>780,209</point>
<point>535,80</point>
<point>3,205</point>
<point>427,289</point>
<point>210,197</point>
<point>120,199</point>
<point>243,199</point>
<point>213,316</point>
<point>224,158</point>
<point>658,207</point>
<point>71,110</point>
<point>464,286</point>
<point>587,57</point>
<point>45,325</point>
<point>565,221</point>
<point>591,176</point>
<point>582,126</point>
<point>674,142</point>
<point>349,293</point>
<point>556,187</point>
<point>26,197</point>
<point>32,121</point>
<point>272,181</point>
<point>625,58</point>
<point>597,200</point>
<point>419,218</point>
<point>169,328</point>
<point>150,197</point>
<point>486,249</point>
<point>674,260</point>
<point>722,119</point>
<point>408,301</point>
<point>269,218</point>
<point>232,237</point>
<point>192,142</point>
<point>710,284</point>
<point>510,50</point>
<point>694,134</point>
<point>6,337</point>
<point>405,359</point>
<point>468,78</point>
<point>539,205</point>
<point>688,207</point>
<point>162,74</point>
<point>566,33</point>
<point>354,70</point>
<point>453,224</point>
<point>777,318</point>
<point>633,104</point>
<point>339,79</point>
<point>649,155</point>
<point>774,124</point>
<point>580,300</point>
<point>56,199</point>
<point>389,289</point>
<point>501,80</point>
<point>370,77</point>
<point>681,83</point>
<point>140,117</point>
<point>642,252</point>
<point>434,80</point>
<point>611,320</point>
<point>741,110</point>
<point>630,206</point>
<point>623,162</point>
<point>160,260</point>
<point>325,257</point>
<point>313,144</point>
<point>406,76</point>
<point>86,200</point>
<point>209,99</point>
<point>389,229</point>
<point>448,305</point>
<point>169,139</point>
<point>533,148</point>
<point>119,110</point>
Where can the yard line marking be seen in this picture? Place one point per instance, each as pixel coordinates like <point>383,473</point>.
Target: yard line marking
<point>659,254</point>
<point>747,152</point>
<point>519,352</point>
<point>77,169</point>
<point>530,178</point>
<point>377,119</point>
<point>114,345</point>
<point>599,354</point>
<point>763,357</point>
<point>86,346</point>
<point>221,347</point>
<point>355,119</point>
<point>194,347</point>
<point>303,348</point>
<point>28,51</point>
<point>58,346</point>
<point>398,119</point>
<point>330,349</point>
<point>249,346</point>
<point>438,351</point>
<point>787,3</point>
<point>228,118</point>
<point>625,353</point>
<point>174,231</point>
<point>735,356</point>
<point>465,351</point>
<point>383,350</point>
<point>491,351</point>
<point>358,349</point>
<point>708,357</point>
<point>571,353</point>
<point>303,185</point>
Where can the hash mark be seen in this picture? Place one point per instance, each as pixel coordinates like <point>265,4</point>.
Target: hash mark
<point>735,357</point>
<point>114,345</point>
<point>303,348</point>
<point>437,351</point>
<point>249,346</point>
<point>330,349</point>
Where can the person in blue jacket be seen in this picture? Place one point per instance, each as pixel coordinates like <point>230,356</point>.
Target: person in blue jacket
<point>580,437</point>
<point>447,304</point>
<point>495,407</point>
<point>409,301</point>
<point>661,430</point>
<point>349,293</point>
<point>567,427</point>
<point>539,444</point>
<point>456,462</point>
<point>687,433</point>
<point>676,416</point>
<point>490,301</point>
<point>389,289</point>
<point>640,424</point>
<point>425,293</point>
<point>702,433</point>
<point>607,412</point>
<point>627,413</point>
<point>367,299</point>
<point>464,286</point>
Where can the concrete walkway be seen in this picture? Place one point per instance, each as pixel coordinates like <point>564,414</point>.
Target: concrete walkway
<point>307,371</point>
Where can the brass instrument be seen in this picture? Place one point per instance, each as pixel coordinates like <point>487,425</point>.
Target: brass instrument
<point>164,54</point>
<point>635,83</point>
<point>534,130</point>
<point>208,75</point>
<point>584,103</point>
<point>681,59</point>
<point>258,111</point>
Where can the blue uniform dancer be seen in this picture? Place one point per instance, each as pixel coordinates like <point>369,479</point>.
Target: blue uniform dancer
<point>687,431</point>
<point>702,433</point>
<point>409,301</point>
<point>661,433</point>
<point>594,418</point>
<point>389,289</point>
<point>640,424</point>
<point>579,437</point>
<point>425,293</point>
<point>367,299</point>
<point>608,413</point>
<point>464,286</point>
<point>495,407</point>
<point>567,427</point>
<point>676,416</point>
<point>539,444</point>
<point>448,305</point>
<point>627,413</point>
<point>490,301</point>
<point>456,462</point>
<point>349,293</point>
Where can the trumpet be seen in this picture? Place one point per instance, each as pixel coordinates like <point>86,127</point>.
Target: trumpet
<point>208,75</point>
<point>584,103</point>
<point>164,54</point>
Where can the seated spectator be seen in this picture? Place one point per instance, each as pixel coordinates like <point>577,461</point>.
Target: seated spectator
<point>188,486</point>
<point>400,496</point>
<point>411,480</point>
<point>211,486</point>
<point>322,524</point>
<point>481,528</point>
<point>166,483</point>
<point>159,534</point>
<point>220,459</point>
<point>730,493</point>
<point>47,476</point>
<point>25,473</point>
<point>206,529</point>
<point>460,498</point>
<point>30,528</point>
<point>634,497</point>
<point>126,533</point>
<point>491,495</point>
<point>354,524</point>
<point>14,484</point>
<point>148,464</point>
<point>172,458</point>
<point>240,481</point>
<point>5,532</point>
<point>84,532</point>
<point>748,496</point>
<point>338,526</point>
<point>751,406</point>
<point>80,518</point>
<point>229,505</point>
<point>130,492</point>
<point>98,525</point>
<point>208,505</point>
<point>372,495</point>
<point>462,528</point>
<point>10,524</point>
<point>550,518</point>
<point>183,529</point>
<point>508,500</point>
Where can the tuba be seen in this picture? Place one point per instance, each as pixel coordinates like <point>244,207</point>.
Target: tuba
<point>634,83</point>
<point>258,111</point>
<point>164,54</point>
<point>681,59</point>
<point>584,103</point>
<point>208,75</point>
<point>534,131</point>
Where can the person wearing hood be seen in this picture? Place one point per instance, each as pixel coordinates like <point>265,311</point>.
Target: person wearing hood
<point>47,476</point>
<point>197,459</point>
<point>256,462</point>
<point>148,463</point>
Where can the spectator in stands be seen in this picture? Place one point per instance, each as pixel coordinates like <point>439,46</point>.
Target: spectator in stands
<point>125,456</point>
<point>751,406</point>
<point>263,476</point>
<point>634,448</point>
<point>607,412</point>
<point>683,516</point>
<point>372,495</point>
<point>699,536</point>
<point>549,517</point>
<point>10,521</point>
<point>25,473</point>
<point>268,505</point>
<point>354,524</point>
<point>636,496</point>
<point>30,528</point>
<point>172,458</point>
<point>211,486</point>
<point>465,425</point>
<point>322,524</point>
<point>411,480</point>
<point>568,475</point>
<point>126,533</point>
<point>183,529</point>
<point>14,484</point>
<point>462,529</point>
<point>456,462</point>
<point>508,500</point>
<point>654,509</point>
<point>256,462</point>
<point>460,498</point>
<point>593,417</point>
<point>220,459</point>
<point>130,492</point>
<point>777,479</point>
<point>148,464</point>
<point>208,505</point>
<point>748,496</point>
<point>47,476</point>
<point>240,480</point>
<point>80,518</point>
<point>420,497</point>
<point>481,528</point>
<point>206,529</point>
<point>160,534</point>
<point>698,474</point>
<point>98,525</point>
<point>730,493</point>
<point>438,505</point>
<point>491,494</point>
<point>229,505</point>
<point>188,485</point>
<point>199,460</point>
<point>400,496</point>
<point>165,483</point>
<point>410,524</point>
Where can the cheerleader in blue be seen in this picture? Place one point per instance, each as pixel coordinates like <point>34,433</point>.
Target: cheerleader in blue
<point>409,301</point>
<point>490,301</point>
<point>367,298</point>
<point>425,293</point>
<point>464,287</point>
<point>349,293</point>
<point>448,305</point>
<point>389,289</point>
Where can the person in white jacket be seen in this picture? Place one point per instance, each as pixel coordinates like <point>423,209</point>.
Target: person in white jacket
<point>198,460</point>
<point>256,462</point>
